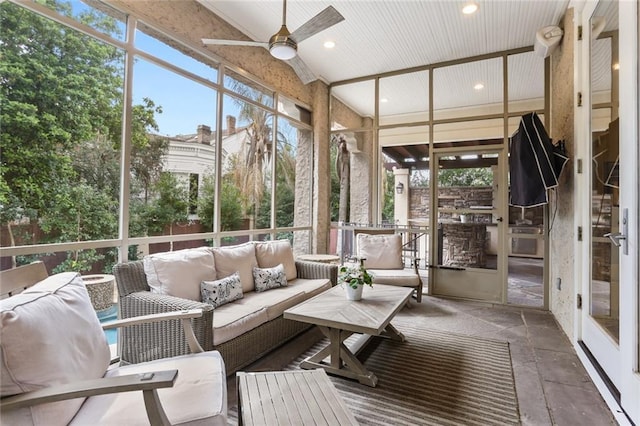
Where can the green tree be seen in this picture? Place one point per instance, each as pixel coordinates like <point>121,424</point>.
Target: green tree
<point>79,212</point>
<point>481,176</point>
<point>59,87</point>
<point>169,205</point>
<point>61,116</point>
<point>388,205</point>
<point>231,209</point>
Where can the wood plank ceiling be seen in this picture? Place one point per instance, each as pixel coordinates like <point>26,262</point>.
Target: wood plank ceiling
<point>385,36</point>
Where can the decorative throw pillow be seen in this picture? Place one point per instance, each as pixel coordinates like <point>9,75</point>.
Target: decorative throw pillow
<point>220,292</point>
<point>268,278</point>
<point>272,253</point>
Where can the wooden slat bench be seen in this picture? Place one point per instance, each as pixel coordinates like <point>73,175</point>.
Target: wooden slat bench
<point>299,397</point>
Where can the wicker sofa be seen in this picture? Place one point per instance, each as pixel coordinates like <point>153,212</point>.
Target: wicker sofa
<point>240,330</point>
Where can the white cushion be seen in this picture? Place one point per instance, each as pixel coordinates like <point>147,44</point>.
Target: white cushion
<point>267,278</point>
<point>179,273</point>
<point>381,251</point>
<point>220,292</point>
<point>233,319</point>
<point>50,335</point>
<point>397,277</point>
<point>199,395</point>
<point>272,253</point>
<point>278,300</point>
<point>240,258</point>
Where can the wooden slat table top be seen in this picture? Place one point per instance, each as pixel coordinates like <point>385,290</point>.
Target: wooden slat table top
<point>298,397</point>
<point>370,315</point>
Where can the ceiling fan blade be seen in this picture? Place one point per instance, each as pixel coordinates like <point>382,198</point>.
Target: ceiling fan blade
<point>217,42</point>
<point>302,70</point>
<point>323,20</point>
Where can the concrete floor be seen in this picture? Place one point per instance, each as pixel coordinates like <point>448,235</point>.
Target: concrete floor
<point>552,386</point>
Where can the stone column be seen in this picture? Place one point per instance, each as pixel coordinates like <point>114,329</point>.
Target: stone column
<point>561,258</point>
<point>321,168</point>
<point>362,185</point>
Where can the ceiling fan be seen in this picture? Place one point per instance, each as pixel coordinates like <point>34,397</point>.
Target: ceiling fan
<point>283,45</point>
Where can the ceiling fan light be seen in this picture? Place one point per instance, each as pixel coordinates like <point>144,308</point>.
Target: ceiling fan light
<point>281,46</point>
<point>282,51</point>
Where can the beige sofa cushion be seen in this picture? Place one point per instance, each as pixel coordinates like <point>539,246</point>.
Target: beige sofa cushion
<point>272,253</point>
<point>240,258</point>
<point>56,317</point>
<point>179,273</point>
<point>236,318</point>
<point>199,395</point>
<point>399,277</point>
<point>278,300</point>
<point>381,251</point>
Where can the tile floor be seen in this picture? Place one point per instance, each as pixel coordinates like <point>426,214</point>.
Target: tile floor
<point>552,386</point>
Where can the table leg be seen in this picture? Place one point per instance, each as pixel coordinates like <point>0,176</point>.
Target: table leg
<point>392,333</point>
<point>343,362</point>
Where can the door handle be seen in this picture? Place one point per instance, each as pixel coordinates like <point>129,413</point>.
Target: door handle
<point>615,238</point>
<point>619,239</point>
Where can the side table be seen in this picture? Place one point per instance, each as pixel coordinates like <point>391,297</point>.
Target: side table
<point>296,397</point>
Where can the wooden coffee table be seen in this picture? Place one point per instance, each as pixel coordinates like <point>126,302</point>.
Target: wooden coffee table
<point>339,318</point>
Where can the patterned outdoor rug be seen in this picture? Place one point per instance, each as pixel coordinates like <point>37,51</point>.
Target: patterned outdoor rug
<point>434,378</point>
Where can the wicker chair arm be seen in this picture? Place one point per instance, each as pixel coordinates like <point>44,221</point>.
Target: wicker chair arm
<point>148,384</point>
<point>141,343</point>
<point>315,270</point>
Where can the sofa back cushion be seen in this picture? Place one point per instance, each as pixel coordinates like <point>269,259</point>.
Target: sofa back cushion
<point>382,251</point>
<point>179,273</point>
<point>273,253</point>
<point>50,335</point>
<point>241,259</point>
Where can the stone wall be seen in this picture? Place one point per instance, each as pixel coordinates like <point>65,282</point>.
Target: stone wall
<point>562,235</point>
<point>464,245</point>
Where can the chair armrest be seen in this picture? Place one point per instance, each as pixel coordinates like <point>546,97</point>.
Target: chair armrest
<point>316,270</point>
<point>183,316</point>
<point>147,383</point>
<point>146,342</point>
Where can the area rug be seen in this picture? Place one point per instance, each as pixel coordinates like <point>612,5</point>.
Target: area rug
<point>433,378</point>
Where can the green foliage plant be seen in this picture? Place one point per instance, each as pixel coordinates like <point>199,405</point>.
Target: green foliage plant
<point>355,275</point>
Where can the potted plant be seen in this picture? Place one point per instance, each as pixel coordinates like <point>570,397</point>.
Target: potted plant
<point>355,277</point>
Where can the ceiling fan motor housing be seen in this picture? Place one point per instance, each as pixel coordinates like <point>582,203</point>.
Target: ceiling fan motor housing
<point>281,45</point>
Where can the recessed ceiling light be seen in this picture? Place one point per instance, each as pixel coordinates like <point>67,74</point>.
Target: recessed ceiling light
<point>329,44</point>
<point>383,100</point>
<point>470,8</point>
<point>479,86</point>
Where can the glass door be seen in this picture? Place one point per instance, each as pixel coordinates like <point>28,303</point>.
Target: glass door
<point>610,317</point>
<point>470,258</point>
<point>601,319</point>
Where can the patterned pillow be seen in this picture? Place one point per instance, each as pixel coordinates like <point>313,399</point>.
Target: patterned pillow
<point>268,278</point>
<point>219,292</point>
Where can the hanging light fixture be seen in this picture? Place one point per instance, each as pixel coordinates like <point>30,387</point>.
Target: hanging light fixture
<point>399,188</point>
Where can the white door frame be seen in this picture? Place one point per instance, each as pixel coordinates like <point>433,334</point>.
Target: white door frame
<point>621,362</point>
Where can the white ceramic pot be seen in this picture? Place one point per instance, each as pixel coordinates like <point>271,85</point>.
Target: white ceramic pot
<point>354,293</point>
